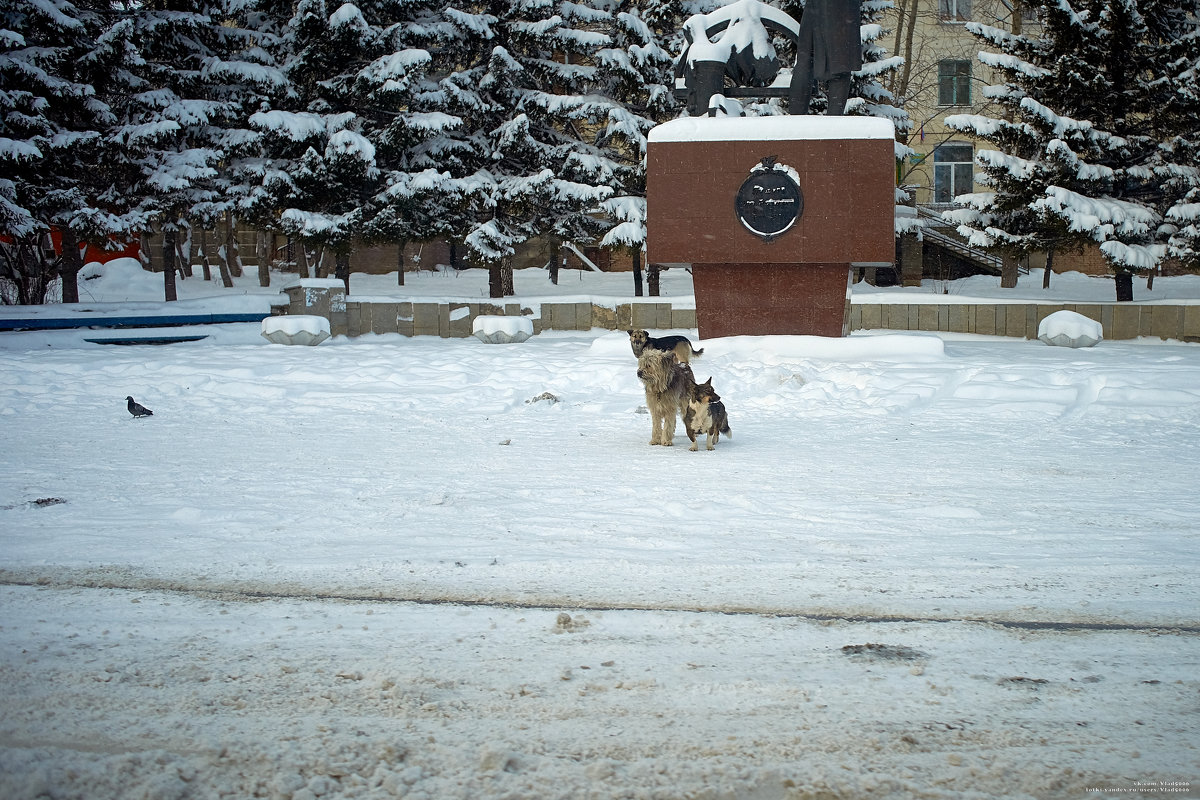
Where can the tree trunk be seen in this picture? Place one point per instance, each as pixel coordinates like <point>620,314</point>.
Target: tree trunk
<point>233,259</point>
<point>1149,279</point>
<point>223,267</point>
<point>1124,282</point>
<point>1010,270</point>
<point>506,274</point>
<point>71,264</point>
<point>637,272</point>
<point>400,262</point>
<point>262,251</point>
<point>169,293</point>
<point>205,265</point>
<point>652,279</point>
<point>1049,268</point>
<point>495,281</point>
<point>554,253</point>
<point>183,249</point>
<point>341,267</point>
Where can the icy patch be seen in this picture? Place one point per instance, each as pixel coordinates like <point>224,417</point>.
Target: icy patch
<point>303,329</point>
<point>502,330</point>
<point>1070,329</point>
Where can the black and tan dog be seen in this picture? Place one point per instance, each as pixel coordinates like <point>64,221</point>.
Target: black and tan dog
<point>706,414</point>
<point>669,386</point>
<point>681,346</point>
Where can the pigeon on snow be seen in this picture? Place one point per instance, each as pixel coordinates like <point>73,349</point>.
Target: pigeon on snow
<point>137,409</point>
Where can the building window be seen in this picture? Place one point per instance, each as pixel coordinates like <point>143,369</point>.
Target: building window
<point>954,83</point>
<point>954,10</point>
<point>953,171</point>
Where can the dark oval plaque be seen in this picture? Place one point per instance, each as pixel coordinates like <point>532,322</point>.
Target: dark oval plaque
<point>769,201</point>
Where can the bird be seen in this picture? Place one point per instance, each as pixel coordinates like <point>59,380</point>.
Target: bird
<point>137,409</point>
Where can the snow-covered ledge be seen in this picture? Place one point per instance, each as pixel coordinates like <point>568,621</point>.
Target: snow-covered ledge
<point>301,329</point>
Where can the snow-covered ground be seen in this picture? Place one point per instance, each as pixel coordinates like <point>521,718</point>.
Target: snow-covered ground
<point>414,567</point>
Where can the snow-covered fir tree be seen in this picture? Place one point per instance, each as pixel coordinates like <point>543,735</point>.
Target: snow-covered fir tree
<point>346,157</point>
<point>637,69</point>
<point>53,147</point>
<point>1098,143</point>
<point>177,89</point>
<point>543,133</point>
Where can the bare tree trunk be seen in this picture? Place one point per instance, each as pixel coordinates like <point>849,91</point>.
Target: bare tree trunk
<point>637,272</point>
<point>1149,281</point>
<point>71,264</point>
<point>1009,270</point>
<point>169,293</point>
<point>223,267</point>
<point>400,262</point>
<point>506,274</point>
<point>204,263</point>
<point>183,250</point>
<point>341,267</point>
<point>495,281</point>
<point>652,279</point>
<point>233,259</point>
<point>1049,268</point>
<point>262,251</point>
<point>554,254</point>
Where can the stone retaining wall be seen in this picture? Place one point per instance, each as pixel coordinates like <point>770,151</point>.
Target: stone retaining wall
<point>451,319</point>
<point>1120,320</point>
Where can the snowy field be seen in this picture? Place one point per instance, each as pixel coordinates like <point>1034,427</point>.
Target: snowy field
<point>391,567</point>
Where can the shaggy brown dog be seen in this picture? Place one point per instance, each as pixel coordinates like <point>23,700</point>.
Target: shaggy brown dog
<point>706,414</point>
<point>669,386</point>
<point>681,346</point>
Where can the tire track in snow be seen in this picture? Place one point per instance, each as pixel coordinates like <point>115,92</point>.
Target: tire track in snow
<point>251,595</point>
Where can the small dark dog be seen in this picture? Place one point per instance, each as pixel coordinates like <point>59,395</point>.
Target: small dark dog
<point>706,414</point>
<point>679,345</point>
<point>669,386</point>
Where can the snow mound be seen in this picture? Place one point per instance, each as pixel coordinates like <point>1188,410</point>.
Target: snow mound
<point>302,329</point>
<point>1070,329</point>
<point>502,330</point>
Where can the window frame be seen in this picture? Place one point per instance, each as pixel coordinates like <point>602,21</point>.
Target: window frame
<point>957,170</point>
<point>954,12</point>
<point>958,82</point>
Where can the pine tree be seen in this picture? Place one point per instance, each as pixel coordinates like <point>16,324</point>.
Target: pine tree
<point>53,146</point>
<point>341,147</point>
<point>178,92</point>
<point>638,70</point>
<point>1098,144</point>
<point>536,134</point>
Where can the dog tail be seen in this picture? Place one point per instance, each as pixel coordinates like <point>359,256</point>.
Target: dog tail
<point>696,352</point>
<point>726,431</point>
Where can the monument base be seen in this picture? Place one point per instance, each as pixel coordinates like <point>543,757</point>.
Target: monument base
<point>766,299</point>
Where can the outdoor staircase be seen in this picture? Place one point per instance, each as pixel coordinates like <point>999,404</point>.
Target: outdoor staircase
<point>938,232</point>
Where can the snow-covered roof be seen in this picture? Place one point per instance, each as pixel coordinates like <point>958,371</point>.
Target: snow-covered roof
<point>781,128</point>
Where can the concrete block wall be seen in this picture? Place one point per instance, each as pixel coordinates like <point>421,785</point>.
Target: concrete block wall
<point>1119,320</point>
<point>354,317</point>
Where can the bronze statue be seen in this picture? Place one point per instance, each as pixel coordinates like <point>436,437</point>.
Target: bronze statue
<point>828,50</point>
<point>827,42</point>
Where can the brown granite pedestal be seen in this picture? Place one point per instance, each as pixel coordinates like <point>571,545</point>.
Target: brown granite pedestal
<point>799,281</point>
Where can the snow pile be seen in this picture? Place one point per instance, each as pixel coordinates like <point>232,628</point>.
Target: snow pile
<point>502,330</point>
<point>1070,329</point>
<point>301,329</point>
